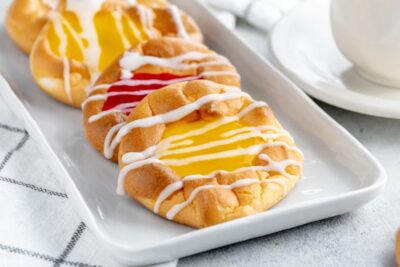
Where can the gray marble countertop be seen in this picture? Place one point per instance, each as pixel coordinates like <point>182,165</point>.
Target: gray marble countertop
<point>364,237</point>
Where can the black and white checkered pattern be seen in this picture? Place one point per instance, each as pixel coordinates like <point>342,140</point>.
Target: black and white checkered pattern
<point>37,225</point>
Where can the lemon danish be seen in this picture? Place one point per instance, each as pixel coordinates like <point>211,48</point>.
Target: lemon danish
<point>85,37</point>
<point>80,42</point>
<point>208,155</point>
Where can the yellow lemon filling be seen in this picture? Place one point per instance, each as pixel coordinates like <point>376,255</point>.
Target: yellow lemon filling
<point>203,147</point>
<point>97,43</point>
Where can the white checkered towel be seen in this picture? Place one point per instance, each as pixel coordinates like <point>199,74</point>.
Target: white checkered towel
<point>37,224</point>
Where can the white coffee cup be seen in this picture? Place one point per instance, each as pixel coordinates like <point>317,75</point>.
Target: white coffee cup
<point>367,32</point>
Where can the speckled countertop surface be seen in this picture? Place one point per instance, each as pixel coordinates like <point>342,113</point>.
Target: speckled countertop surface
<point>364,237</point>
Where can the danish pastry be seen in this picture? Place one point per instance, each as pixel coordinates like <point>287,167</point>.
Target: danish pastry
<point>208,155</point>
<point>26,18</point>
<point>76,45</point>
<point>149,66</point>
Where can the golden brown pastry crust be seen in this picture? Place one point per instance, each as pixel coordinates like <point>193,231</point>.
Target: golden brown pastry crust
<point>212,206</point>
<point>164,47</point>
<point>25,19</point>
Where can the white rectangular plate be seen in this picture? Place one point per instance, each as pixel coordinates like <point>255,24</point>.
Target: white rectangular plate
<point>340,174</point>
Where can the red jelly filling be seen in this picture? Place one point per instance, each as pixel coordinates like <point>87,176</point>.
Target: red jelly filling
<point>124,95</point>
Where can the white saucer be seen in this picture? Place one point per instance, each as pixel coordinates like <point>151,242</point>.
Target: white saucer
<point>302,46</point>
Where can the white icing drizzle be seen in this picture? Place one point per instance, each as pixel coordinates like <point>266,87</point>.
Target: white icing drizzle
<point>134,30</point>
<point>124,171</point>
<point>66,78</point>
<point>228,153</point>
<point>146,19</point>
<point>58,27</point>
<point>96,117</point>
<point>252,150</point>
<point>239,183</point>
<point>219,172</point>
<point>166,193</point>
<point>135,156</point>
<point>93,98</point>
<point>168,117</point>
<point>87,7</point>
<point>125,75</point>
<point>118,22</point>
<point>131,2</point>
<point>86,11</point>
<point>232,89</point>
<point>278,165</point>
<point>126,82</point>
<point>139,92</point>
<point>113,131</point>
<point>261,128</point>
<point>92,89</point>
<point>125,107</point>
<point>250,107</point>
<point>177,18</point>
<point>133,60</point>
<point>208,127</point>
<point>74,34</point>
